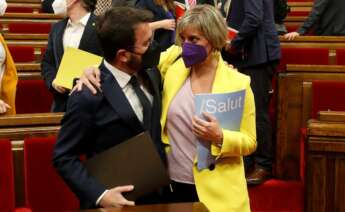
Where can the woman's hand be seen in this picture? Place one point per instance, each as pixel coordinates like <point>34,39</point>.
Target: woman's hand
<point>3,106</point>
<point>91,79</point>
<point>291,35</point>
<point>208,130</point>
<point>168,24</point>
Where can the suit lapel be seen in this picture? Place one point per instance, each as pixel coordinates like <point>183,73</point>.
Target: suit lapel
<point>118,101</point>
<point>88,33</point>
<point>59,36</point>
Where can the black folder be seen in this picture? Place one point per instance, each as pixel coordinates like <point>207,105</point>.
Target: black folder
<point>132,162</point>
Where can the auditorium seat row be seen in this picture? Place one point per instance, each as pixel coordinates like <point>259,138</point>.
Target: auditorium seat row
<point>45,191</point>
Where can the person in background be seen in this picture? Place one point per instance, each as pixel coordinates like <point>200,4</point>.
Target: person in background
<point>46,6</point>
<point>130,103</point>
<point>77,30</point>
<point>255,51</point>
<point>195,66</point>
<point>8,74</point>
<point>326,18</point>
<point>164,20</point>
<point>281,9</point>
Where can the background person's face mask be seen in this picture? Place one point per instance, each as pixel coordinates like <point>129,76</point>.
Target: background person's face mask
<point>60,7</point>
<point>3,6</point>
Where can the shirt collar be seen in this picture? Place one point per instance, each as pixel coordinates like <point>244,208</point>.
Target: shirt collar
<point>121,77</point>
<point>83,21</point>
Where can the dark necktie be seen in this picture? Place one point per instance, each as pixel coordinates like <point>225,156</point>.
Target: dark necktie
<point>144,102</point>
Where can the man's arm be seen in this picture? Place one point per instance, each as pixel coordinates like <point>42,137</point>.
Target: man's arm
<point>315,14</point>
<point>74,140</point>
<point>48,64</point>
<point>253,19</point>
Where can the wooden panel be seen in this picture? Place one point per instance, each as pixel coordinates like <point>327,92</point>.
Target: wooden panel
<point>289,115</point>
<point>336,116</point>
<point>31,16</point>
<point>339,187</point>
<point>37,44</point>
<point>34,119</point>
<point>28,67</point>
<point>316,181</point>
<point>25,36</point>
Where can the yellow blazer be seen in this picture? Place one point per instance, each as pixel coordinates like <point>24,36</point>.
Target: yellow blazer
<point>223,189</point>
<point>9,80</point>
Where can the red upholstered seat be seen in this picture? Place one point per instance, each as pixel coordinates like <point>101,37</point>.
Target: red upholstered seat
<point>299,13</point>
<point>40,28</point>
<point>22,54</point>
<point>277,195</point>
<point>33,97</point>
<point>340,56</point>
<point>7,201</point>
<point>327,95</point>
<point>14,9</point>
<point>6,177</point>
<point>44,189</point>
<point>315,56</point>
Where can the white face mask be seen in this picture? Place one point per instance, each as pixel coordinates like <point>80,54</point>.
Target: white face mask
<point>60,7</point>
<point>3,6</point>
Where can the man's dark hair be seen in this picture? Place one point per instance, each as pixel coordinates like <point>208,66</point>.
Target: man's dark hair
<point>116,29</point>
<point>89,5</point>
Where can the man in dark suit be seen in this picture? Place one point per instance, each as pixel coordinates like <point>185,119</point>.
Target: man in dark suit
<point>78,31</point>
<point>255,51</point>
<point>94,123</point>
<point>326,18</point>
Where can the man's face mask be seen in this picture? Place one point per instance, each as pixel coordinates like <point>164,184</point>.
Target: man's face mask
<point>149,59</point>
<point>60,7</point>
<point>3,6</point>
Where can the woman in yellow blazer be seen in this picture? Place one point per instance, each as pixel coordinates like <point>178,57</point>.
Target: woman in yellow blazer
<point>197,66</point>
<point>8,80</point>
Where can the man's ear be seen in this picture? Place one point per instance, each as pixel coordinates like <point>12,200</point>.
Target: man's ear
<point>122,55</point>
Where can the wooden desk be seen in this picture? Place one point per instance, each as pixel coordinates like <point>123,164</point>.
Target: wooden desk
<point>173,207</point>
<point>326,162</point>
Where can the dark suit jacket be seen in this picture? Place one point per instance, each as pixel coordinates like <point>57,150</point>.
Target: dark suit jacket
<point>94,123</point>
<point>53,55</point>
<point>257,41</point>
<point>327,16</point>
<point>165,38</point>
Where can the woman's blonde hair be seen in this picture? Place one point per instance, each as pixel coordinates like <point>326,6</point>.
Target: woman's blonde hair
<point>208,21</point>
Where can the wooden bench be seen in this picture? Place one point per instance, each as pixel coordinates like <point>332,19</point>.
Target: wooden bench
<point>300,8</point>
<point>27,71</point>
<point>24,1</point>
<point>290,114</point>
<point>326,162</point>
<point>332,43</point>
<point>20,126</point>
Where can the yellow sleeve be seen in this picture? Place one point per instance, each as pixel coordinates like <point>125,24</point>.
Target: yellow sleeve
<point>167,58</point>
<point>243,142</point>
<point>9,80</point>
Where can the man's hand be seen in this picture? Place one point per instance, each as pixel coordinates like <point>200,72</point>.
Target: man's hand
<point>59,88</point>
<point>91,79</point>
<point>114,198</point>
<point>208,130</point>
<point>291,35</point>
<point>3,106</point>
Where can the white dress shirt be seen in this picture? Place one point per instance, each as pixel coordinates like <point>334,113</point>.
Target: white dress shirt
<point>123,79</point>
<point>74,32</point>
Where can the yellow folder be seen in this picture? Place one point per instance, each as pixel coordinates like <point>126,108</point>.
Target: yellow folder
<point>73,64</point>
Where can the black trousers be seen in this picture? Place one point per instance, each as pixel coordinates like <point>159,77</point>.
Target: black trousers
<point>261,78</point>
<point>180,192</point>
